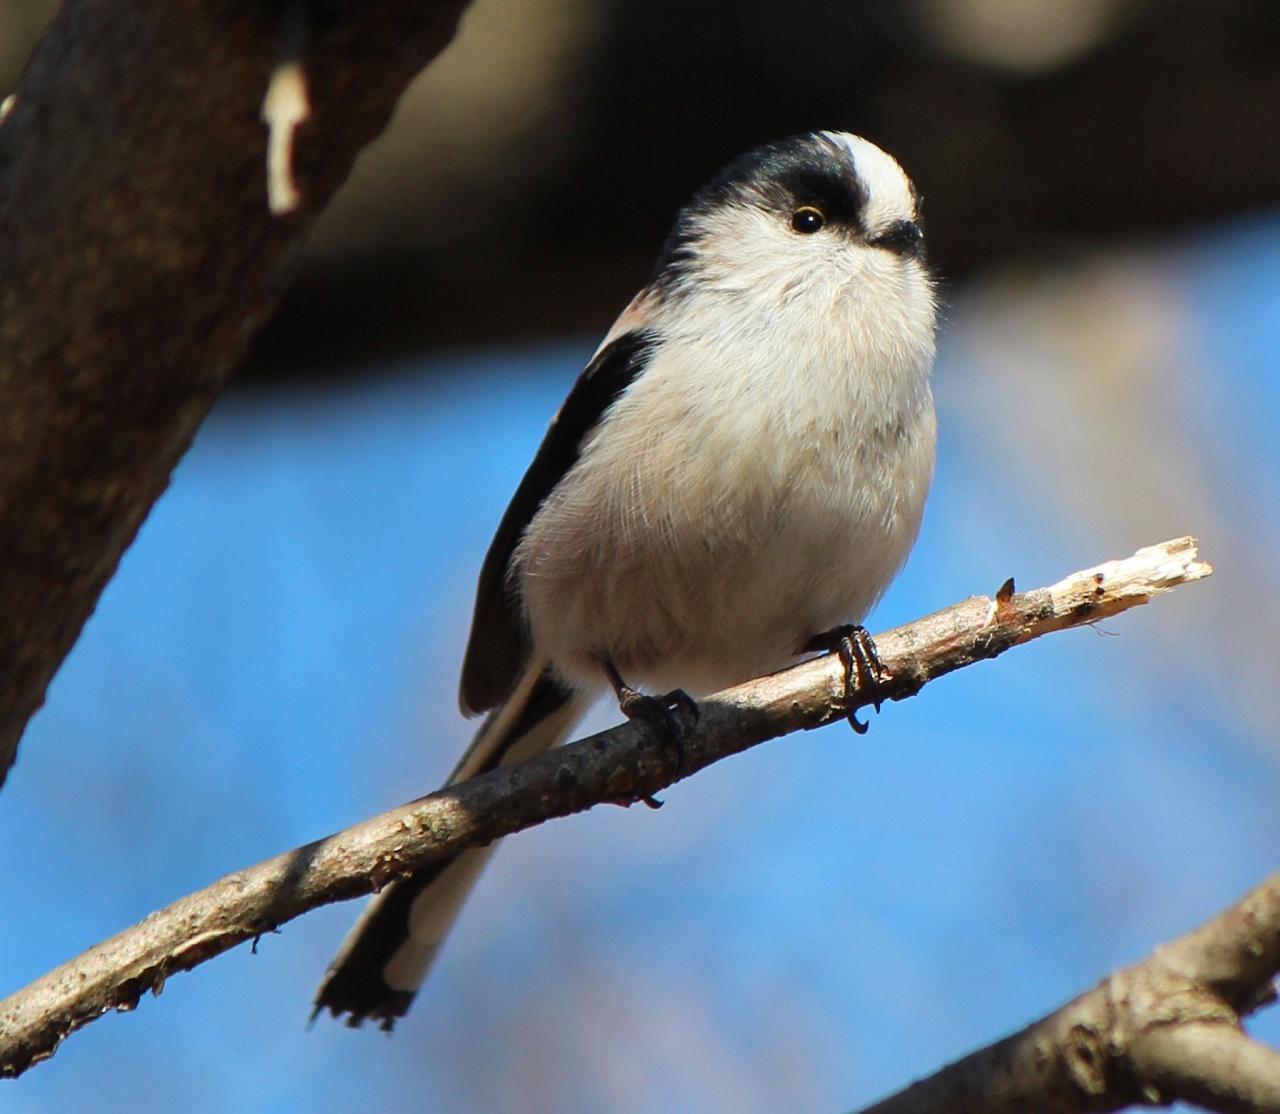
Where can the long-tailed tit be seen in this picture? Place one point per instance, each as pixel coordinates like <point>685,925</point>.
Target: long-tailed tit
<point>741,467</point>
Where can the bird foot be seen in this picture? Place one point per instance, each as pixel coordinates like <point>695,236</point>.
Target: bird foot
<point>861,662</point>
<point>669,715</point>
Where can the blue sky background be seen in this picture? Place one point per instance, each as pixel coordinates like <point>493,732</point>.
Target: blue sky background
<point>807,926</point>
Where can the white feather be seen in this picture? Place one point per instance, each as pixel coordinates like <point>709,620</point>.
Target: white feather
<point>764,478</point>
<point>759,482</point>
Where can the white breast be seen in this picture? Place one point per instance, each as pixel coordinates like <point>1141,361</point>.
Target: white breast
<point>756,485</point>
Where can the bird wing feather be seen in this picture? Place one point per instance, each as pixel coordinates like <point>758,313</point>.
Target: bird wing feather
<point>499,645</point>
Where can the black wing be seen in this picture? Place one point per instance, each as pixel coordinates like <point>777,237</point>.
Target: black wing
<point>499,643</point>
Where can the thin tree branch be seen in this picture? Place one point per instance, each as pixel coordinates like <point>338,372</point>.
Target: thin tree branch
<point>623,765</point>
<point>139,255</point>
<point>1214,1065</point>
<point>1165,1029</point>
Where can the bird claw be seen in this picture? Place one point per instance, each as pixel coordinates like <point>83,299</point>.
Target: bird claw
<point>662,714</point>
<point>861,662</point>
<point>665,715</point>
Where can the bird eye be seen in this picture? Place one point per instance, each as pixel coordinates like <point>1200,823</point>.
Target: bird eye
<point>807,219</point>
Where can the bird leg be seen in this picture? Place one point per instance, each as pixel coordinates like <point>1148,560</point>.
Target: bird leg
<point>858,654</point>
<point>660,713</point>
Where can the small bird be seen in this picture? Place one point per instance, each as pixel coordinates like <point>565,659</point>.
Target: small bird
<point>735,477</point>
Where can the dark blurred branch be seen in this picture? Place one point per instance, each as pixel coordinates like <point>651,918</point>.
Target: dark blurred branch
<point>623,765</point>
<point>1163,1030</point>
<point>138,259</point>
<point>1153,129</point>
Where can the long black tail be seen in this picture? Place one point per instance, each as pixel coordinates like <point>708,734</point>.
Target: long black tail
<point>387,956</point>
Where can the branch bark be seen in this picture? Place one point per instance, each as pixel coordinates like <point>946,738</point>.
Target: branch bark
<point>1165,1029</point>
<point>138,257</point>
<point>623,765</point>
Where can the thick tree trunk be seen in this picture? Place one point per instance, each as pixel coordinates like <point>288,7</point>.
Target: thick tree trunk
<point>137,258</point>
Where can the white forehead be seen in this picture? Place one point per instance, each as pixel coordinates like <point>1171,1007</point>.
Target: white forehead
<point>889,194</point>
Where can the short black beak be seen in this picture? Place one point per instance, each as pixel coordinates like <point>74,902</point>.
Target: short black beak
<point>902,238</point>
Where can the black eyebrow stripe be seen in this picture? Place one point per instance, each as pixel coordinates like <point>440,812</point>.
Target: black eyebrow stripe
<point>811,169</point>
<point>839,195</point>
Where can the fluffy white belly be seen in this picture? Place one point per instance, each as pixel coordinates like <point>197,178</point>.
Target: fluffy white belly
<point>707,547</point>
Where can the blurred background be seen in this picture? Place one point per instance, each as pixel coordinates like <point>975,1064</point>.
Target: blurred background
<point>813,924</point>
